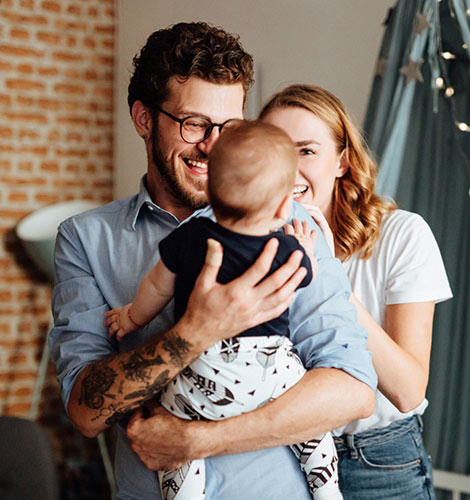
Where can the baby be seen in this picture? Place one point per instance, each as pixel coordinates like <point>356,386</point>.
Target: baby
<point>251,174</point>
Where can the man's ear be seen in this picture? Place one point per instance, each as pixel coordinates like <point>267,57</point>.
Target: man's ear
<point>142,119</point>
<point>343,165</point>
<point>284,208</point>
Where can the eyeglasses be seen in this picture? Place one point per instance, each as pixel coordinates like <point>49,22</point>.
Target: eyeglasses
<point>196,129</point>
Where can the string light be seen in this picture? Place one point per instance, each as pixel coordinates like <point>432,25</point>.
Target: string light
<point>464,46</point>
<point>440,83</point>
<point>464,127</point>
<point>448,55</point>
<point>449,92</point>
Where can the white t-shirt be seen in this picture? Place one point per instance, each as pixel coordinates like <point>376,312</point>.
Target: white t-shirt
<point>406,266</point>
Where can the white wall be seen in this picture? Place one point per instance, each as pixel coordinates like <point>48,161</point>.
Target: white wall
<point>331,43</point>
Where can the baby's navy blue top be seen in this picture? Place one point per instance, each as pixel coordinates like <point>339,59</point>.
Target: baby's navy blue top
<point>184,250</point>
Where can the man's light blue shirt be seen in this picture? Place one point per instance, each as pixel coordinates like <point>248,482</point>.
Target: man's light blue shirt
<point>101,258</point>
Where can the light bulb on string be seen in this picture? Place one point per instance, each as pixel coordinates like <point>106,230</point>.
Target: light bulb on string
<point>448,55</point>
<point>440,82</point>
<point>449,92</point>
<point>464,127</point>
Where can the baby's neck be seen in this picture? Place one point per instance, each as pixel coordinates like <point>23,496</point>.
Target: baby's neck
<point>258,228</point>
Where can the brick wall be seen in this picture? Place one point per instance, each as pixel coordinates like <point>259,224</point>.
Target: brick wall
<point>56,104</point>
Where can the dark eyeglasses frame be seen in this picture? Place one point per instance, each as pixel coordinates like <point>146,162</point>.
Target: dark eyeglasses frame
<point>208,131</point>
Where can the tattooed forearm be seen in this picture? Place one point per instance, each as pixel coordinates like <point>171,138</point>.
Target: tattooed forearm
<point>177,348</point>
<point>136,367</point>
<point>143,395</point>
<point>96,383</point>
<point>154,388</point>
<point>122,413</point>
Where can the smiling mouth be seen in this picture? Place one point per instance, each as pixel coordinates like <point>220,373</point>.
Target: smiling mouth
<point>299,191</point>
<point>196,167</point>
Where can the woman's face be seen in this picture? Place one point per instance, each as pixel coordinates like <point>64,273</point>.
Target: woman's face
<point>319,161</point>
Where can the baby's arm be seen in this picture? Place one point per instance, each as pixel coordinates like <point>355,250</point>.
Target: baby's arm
<point>306,237</point>
<point>153,295</point>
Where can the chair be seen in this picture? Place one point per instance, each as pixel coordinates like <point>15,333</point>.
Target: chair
<point>28,469</point>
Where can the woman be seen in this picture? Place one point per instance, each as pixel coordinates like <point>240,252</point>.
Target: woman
<point>397,276</point>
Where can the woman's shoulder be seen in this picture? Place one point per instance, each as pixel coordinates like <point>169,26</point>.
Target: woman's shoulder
<point>400,218</point>
<point>401,224</point>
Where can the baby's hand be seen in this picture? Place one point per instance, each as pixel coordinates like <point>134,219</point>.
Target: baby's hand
<point>306,237</point>
<point>119,322</point>
<point>319,218</point>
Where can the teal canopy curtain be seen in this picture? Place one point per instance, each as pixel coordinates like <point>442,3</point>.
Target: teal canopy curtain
<point>418,125</point>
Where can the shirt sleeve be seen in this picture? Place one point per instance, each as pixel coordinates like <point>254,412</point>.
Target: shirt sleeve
<point>322,320</point>
<point>415,270</point>
<point>169,246</point>
<point>79,335</point>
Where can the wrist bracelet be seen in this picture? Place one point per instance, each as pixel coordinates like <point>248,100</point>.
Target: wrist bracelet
<point>132,321</point>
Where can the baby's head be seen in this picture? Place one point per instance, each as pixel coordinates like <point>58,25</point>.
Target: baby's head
<point>252,171</point>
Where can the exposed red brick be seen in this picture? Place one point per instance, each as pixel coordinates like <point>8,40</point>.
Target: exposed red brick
<point>12,50</point>
<point>49,166</point>
<point>6,133</point>
<point>6,66</point>
<point>74,9</point>
<point>28,134</point>
<point>17,198</point>
<point>46,199</point>
<point>25,85</point>
<point>48,37</point>
<point>68,88</point>
<point>67,57</point>
<point>27,117</point>
<point>51,6</point>
<point>25,68</point>
<point>48,71</point>
<point>16,409</point>
<point>19,33</point>
<point>15,17</point>
<point>56,59</point>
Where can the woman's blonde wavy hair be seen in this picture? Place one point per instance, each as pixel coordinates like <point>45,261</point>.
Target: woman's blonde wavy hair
<point>357,209</point>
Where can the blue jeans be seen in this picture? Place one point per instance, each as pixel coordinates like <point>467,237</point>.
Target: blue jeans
<point>385,464</point>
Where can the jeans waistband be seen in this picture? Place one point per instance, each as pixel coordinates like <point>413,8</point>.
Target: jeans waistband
<point>352,441</point>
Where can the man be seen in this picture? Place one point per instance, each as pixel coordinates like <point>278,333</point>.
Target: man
<point>188,82</point>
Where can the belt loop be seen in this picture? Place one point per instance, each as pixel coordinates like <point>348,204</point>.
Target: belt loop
<point>420,422</point>
<point>352,449</point>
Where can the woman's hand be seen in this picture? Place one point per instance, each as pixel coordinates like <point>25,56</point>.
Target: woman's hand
<point>319,218</point>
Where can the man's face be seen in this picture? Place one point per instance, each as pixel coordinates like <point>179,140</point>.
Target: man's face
<point>182,167</point>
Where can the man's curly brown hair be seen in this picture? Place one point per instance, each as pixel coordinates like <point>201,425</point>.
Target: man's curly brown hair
<point>184,50</point>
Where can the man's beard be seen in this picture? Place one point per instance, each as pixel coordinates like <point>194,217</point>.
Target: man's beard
<point>174,183</point>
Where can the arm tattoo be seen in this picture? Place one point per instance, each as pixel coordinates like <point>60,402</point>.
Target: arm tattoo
<point>176,347</point>
<point>145,394</point>
<point>95,384</point>
<point>135,367</point>
<point>152,389</point>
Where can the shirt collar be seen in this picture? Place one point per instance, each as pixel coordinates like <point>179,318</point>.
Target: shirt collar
<point>144,200</point>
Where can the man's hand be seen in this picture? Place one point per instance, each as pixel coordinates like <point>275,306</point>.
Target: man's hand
<point>222,311</point>
<point>161,441</point>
